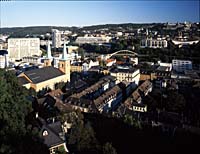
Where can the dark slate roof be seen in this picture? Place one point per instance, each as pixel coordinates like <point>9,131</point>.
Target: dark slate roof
<point>129,70</point>
<point>22,80</point>
<point>52,139</point>
<point>43,74</point>
<point>56,126</point>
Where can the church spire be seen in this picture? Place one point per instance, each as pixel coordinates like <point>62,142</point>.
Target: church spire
<point>49,50</point>
<point>64,55</point>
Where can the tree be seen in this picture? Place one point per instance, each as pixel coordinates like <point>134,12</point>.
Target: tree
<point>130,120</point>
<point>81,51</point>
<point>60,85</point>
<point>14,108</point>
<point>109,149</point>
<point>175,102</point>
<point>32,92</point>
<point>82,136</point>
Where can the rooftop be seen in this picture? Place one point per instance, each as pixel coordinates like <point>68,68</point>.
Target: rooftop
<point>43,74</point>
<point>106,95</point>
<point>22,80</point>
<point>92,88</point>
<point>52,137</point>
<point>123,70</point>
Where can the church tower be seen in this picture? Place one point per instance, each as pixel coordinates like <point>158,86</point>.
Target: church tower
<point>64,63</point>
<point>48,60</point>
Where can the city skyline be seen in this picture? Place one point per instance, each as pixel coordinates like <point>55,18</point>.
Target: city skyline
<point>85,13</point>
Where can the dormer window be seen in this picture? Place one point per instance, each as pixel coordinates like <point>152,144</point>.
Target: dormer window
<point>45,133</point>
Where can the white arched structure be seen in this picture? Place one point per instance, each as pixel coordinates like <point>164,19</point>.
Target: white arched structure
<point>122,53</point>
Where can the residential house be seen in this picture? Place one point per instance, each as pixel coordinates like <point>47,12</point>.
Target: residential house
<point>134,102</point>
<point>109,100</point>
<point>53,136</point>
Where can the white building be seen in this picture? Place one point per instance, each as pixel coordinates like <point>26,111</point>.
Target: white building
<point>93,39</point>
<point>56,38</point>
<point>184,42</point>
<point>23,47</point>
<point>154,43</point>
<point>88,65</point>
<point>32,59</point>
<point>45,42</point>
<point>181,65</point>
<point>3,58</point>
<point>128,74</point>
<point>164,66</point>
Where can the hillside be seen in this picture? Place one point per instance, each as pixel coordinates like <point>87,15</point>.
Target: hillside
<point>38,30</point>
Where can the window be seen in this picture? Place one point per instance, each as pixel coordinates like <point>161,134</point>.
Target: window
<point>45,133</point>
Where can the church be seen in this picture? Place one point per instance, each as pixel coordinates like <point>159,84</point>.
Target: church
<point>47,76</point>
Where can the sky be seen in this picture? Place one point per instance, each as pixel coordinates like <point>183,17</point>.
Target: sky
<point>83,13</point>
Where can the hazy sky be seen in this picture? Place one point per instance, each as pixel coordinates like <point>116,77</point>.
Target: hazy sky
<point>80,13</point>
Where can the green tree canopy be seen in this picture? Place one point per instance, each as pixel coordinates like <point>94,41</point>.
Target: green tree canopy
<point>109,149</point>
<point>82,136</point>
<point>14,107</point>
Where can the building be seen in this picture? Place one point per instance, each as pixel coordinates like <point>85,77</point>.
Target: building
<point>181,40</point>
<point>96,89</point>
<point>134,102</point>
<point>83,100</point>
<point>127,88</point>
<point>154,43</point>
<point>184,42</point>
<point>126,73</point>
<point>45,42</point>
<point>76,67</point>
<point>110,62</point>
<point>52,135</point>
<point>42,78</point>
<point>32,60</point>
<point>109,100</point>
<point>164,66</point>
<point>56,38</point>
<point>71,49</point>
<point>4,58</point>
<point>93,40</point>
<point>23,47</point>
<point>88,64</point>
<point>47,76</point>
<point>181,65</point>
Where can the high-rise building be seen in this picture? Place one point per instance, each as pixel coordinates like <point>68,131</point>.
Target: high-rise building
<point>23,47</point>
<point>56,38</point>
